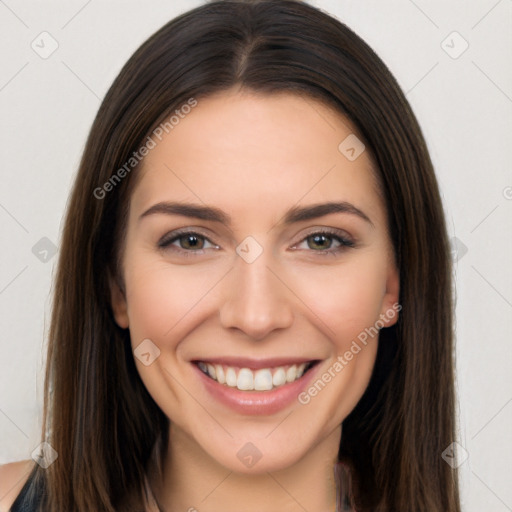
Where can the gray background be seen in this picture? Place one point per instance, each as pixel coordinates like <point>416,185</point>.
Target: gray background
<point>464,105</point>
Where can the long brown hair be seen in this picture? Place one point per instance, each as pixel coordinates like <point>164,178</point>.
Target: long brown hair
<point>99,417</point>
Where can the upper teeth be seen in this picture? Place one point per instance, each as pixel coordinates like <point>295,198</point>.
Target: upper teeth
<point>247,379</point>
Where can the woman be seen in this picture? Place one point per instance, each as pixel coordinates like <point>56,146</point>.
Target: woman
<point>253,302</point>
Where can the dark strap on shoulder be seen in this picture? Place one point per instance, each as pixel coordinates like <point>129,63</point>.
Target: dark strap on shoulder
<point>31,495</point>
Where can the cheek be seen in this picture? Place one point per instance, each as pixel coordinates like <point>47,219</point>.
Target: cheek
<point>162,300</point>
<point>344,300</point>
<point>164,304</point>
<point>345,303</point>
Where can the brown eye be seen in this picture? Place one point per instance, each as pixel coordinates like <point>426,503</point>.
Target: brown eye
<point>319,241</point>
<point>191,241</point>
<point>186,242</point>
<point>326,242</point>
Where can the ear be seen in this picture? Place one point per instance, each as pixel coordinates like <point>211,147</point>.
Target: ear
<point>119,304</point>
<point>390,305</point>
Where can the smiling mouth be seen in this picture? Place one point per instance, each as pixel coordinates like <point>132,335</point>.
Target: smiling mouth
<point>263,379</point>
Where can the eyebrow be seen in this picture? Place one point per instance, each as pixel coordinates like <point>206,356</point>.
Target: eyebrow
<point>293,215</point>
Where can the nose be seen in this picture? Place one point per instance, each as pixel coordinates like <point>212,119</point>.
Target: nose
<point>256,301</point>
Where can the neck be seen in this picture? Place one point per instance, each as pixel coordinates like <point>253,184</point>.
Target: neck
<point>194,482</point>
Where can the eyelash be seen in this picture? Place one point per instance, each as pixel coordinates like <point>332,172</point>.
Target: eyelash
<point>342,239</point>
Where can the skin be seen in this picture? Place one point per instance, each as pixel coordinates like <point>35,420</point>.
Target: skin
<point>254,157</point>
<point>13,477</point>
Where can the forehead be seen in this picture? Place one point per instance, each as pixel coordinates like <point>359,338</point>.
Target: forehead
<point>242,150</point>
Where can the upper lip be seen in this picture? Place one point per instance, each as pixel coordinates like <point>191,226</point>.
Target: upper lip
<point>243,362</point>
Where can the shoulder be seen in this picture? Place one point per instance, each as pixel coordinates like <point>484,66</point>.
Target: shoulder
<point>13,477</point>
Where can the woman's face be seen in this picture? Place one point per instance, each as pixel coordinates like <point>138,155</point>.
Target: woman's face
<point>256,246</point>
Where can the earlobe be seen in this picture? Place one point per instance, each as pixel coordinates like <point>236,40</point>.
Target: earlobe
<point>390,304</point>
<point>119,304</point>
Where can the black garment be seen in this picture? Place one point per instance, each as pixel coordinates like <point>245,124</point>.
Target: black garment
<point>31,495</point>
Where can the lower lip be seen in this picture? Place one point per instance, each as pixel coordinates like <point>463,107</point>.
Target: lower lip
<point>256,402</point>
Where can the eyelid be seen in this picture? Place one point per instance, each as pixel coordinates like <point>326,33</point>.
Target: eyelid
<point>342,238</point>
<point>346,241</point>
<point>334,232</point>
<point>172,236</point>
